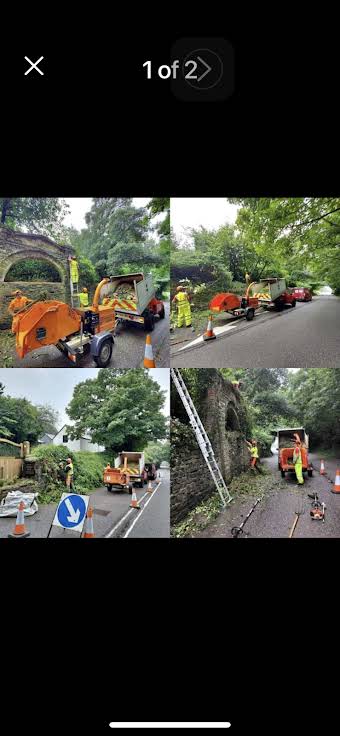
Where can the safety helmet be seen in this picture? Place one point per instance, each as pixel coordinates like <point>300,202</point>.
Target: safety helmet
<point>16,292</point>
<point>85,289</point>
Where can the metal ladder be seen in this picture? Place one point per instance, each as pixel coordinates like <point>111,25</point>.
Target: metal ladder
<point>201,436</point>
<point>74,293</point>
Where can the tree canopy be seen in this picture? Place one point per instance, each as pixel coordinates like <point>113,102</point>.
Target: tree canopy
<point>119,409</point>
<point>43,215</point>
<point>290,237</point>
<point>20,420</point>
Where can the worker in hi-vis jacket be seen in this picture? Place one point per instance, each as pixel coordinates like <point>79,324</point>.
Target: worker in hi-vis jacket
<point>182,301</point>
<point>84,298</point>
<point>254,454</point>
<point>74,271</point>
<point>19,302</point>
<point>297,460</point>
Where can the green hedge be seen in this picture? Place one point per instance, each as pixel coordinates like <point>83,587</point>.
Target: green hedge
<point>88,470</point>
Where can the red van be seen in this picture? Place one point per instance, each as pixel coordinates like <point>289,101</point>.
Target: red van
<point>302,294</point>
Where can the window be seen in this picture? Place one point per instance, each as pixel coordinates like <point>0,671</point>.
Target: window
<point>65,438</point>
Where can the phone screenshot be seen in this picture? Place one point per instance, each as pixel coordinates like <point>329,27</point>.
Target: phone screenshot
<point>169,362</point>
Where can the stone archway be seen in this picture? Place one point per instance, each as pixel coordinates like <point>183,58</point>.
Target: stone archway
<point>15,247</point>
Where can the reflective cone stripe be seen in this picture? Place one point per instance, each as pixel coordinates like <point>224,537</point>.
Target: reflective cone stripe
<point>336,487</point>
<point>150,489</point>
<point>20,528</point>
<point>89,531</point>
<point>148,357</point>
<point>209,333</point>
<point>322,468</point>
<point>134,502</point>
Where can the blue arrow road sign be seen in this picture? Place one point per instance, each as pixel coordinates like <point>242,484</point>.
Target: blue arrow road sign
<point>71,511</point>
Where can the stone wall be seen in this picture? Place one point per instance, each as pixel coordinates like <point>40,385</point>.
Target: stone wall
<point>15,247</point>
<point>224,418</point>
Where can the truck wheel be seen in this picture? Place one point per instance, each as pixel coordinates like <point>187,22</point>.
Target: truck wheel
<point>130,488</point>
<point>294,303</point>
<point>105,354</point>
<point>161,314</point>
<point>149,322</point>
<point>279,306</point>
<point>310,472</point>
<point>109,487</point>
<point>283,473</point>
<point>250,315</point>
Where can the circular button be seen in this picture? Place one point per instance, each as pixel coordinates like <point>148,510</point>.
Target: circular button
<point>208,71</point>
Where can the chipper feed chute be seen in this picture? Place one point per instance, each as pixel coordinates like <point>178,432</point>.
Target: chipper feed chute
<point>44,323</point>
<point>224,302</point>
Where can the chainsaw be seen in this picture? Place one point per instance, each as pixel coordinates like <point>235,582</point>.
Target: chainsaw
<point>317,511</point>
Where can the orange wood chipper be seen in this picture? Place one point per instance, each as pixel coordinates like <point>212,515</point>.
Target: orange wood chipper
<point>75,332</point>
<point>285,443</point>
<point>270,292</point>
<point>117,479</point>
<point>78,332</point>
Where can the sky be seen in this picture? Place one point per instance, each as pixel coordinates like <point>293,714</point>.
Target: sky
<point>207,211</point>
<point>55,386</point>
<point>79,206</point>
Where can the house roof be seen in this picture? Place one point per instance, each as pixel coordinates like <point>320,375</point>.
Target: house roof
<point>83,436</point>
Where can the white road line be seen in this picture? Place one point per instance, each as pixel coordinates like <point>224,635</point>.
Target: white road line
<point>143,509</point>
<point>217,330</point>
<point>122,519</point>
<point>170,724</point>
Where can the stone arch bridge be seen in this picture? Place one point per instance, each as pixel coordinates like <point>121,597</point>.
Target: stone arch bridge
<point>224,417</point>
<point>15,247</point>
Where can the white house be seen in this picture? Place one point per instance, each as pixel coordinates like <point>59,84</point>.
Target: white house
<point>45,439</point>
<point>84,444</point>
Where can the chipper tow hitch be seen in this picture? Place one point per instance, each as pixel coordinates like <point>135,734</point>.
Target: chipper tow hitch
<point>237,531</point>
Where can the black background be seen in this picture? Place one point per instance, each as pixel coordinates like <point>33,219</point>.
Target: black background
<point>167,629</point>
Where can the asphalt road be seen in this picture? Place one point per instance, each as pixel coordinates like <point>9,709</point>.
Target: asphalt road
<point>113,517</point>
<point>128,350</point>
<point>307,336</point>
<point>274,516</point>
<point>154,520</point>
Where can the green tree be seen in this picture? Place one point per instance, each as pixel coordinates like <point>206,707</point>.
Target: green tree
<point>120,409</point>
<point>112,220</point>
<point>43,215</point>
<point>157,206</point>
<point>293,234</point>
<point>48,418</point>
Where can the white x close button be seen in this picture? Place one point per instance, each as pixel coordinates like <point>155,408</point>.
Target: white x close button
<point>34,65</point>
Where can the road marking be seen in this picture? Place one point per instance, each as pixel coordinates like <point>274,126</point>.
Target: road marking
<point>170,724</point>
<point>139,515</point>
<point>217,331</point>
<point>123,518</point>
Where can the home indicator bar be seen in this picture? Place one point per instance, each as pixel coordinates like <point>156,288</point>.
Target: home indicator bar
<point>170,724</point>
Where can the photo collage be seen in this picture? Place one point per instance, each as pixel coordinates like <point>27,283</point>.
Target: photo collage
<point>169,367</point>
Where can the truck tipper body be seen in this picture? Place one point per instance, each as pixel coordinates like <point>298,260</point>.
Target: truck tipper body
<point>285,442</point>
<point>133,298</point>
<point>272,292</point>
<point>134,464</point>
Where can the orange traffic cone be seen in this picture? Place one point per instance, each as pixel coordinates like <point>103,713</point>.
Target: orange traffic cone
<point>20,530</point>
<point>148,356</point>
<point>336,487</point>
<point>209,333</point>
<point>150,489</point>
<point>89,531</point>
<point>134,502</point>
<point>322,468</point>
